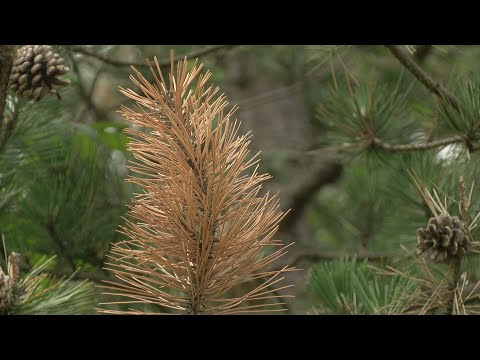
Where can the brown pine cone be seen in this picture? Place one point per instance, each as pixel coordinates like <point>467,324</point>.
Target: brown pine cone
<point>35,72</point>
<point>443,239</point>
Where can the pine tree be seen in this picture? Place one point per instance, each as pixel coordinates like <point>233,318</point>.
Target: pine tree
<point>372,147</point>
<point>31,136</point>
<point>410,195</point>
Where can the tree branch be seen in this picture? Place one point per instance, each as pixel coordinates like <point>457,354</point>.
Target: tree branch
<point>423,146</point>
<point>435,87</point>
<point>7,55</point>
<point>164,63</point>
<point>323,172</point>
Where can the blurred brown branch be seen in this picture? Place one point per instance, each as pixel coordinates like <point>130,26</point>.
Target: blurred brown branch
<point>165,63</point>
<point>323,171</point>
<point>411,65</point>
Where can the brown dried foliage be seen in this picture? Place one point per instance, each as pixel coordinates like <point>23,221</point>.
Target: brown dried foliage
<point>200,228</point>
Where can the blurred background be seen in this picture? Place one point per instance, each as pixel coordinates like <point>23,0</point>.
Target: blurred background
<point>62,180</point>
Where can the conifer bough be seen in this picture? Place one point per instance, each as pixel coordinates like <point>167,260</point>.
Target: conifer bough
<point>37,292</point>
<point>200,227</point>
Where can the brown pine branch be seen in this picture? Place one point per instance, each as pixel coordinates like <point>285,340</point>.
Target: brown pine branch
<point>200,228</point>
<point>163,63</point>
<point>411,65</point>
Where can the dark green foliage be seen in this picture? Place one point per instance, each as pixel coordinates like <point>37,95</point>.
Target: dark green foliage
<point>379,199</point>
<point>69,196</point>
<point>366,110</point>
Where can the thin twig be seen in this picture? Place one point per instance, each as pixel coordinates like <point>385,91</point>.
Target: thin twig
<point>379,143</point>
<point>164,63</point>
<point>422,146</point>
<point>435,87</point>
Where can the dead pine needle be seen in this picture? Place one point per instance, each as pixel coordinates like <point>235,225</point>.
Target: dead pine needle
<point>200,228</point>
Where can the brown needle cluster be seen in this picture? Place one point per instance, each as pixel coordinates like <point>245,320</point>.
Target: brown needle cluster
<point>200,227</point>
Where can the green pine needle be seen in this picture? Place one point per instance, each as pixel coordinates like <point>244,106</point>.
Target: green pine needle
<point>44,294</point>
<point>346,286</point>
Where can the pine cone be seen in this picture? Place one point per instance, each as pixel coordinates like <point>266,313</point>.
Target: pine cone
<point>6,292</point>
<point>35,70</point>
<point>444,239</point>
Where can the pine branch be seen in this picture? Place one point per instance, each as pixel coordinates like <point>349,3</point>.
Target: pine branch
<point>7,55</point>
<point>163,63</point>
<point>380,144</point>
<point>412,147</point>
<point>435,87</point>
<point>200,228</point>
